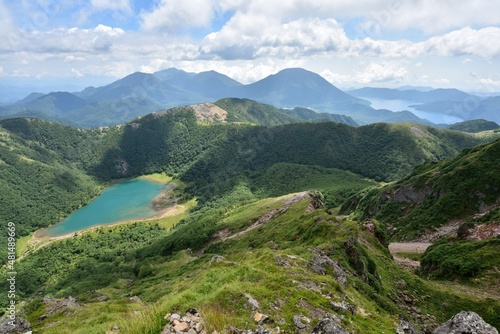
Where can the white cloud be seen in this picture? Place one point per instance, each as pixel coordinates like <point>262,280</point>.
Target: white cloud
<point>172,15</point>
<point>489,85</point>
<point>105,30</point>
<point>438,16</point>
<point>240,40</point>
<point>380,72</point>
<point>77,73</point>
<point>118,5</point>
<point>73,58</point>
<point>466,41</point>
<point>442,81</point>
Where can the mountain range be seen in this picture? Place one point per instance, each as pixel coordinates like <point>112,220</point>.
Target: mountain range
<point>451,102</point>
<point>258,240</point>
<point>141,93</point>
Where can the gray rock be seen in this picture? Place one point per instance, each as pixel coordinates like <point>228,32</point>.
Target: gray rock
<point>466,323</point>
<point>102,298</point>
<point>405,327</point>
<point>343,306</point>
<point>316,268</point>
<point>282,262</point>
<point>217,258</point>
<point>254,304</point>
<point>173,317</point>
<point>297,321</point>
<point>328,326</point>
<point>21,325</point>
<point>321,261</point>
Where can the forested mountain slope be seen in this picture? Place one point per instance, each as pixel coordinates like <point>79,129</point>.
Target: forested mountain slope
<point>466,187</point>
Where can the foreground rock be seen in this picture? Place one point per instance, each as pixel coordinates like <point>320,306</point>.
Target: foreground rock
<point>19,325</point>
<point>405,327</point>
<point>328,326</point>
<point>191,323</point>
<point>466,323</point>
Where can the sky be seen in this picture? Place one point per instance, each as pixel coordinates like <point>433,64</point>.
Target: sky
<point>378,43</point>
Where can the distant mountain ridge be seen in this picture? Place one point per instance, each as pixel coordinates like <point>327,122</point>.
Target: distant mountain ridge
<point>140,93</point>
<point>414,95</point>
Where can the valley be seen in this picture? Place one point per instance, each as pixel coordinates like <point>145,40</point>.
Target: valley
<point>296,214</point>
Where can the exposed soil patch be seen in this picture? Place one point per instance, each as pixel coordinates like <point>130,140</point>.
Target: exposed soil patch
<point>407,247</point>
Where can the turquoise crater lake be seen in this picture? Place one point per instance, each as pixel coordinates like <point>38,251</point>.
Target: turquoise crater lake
<point>128,200</point>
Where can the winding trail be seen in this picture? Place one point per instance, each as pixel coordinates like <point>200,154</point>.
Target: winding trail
<point>407,247</point>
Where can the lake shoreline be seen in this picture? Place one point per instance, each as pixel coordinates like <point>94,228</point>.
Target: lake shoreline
<point>169,211</point>
<point>159,205</point>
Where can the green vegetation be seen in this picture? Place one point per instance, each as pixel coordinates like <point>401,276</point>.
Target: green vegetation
<point>248,111</point>
<point>462,259</point>
<point>474,126</point>
<point>436,193</point>
<point>171,272</point>
<point>229,175</point>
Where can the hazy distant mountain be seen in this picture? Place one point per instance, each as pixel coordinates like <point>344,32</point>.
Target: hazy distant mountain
<point>412,94</point>
<point>142,93</point>
<point>140,85</point>
<point>469,109</point>
<point>173,75</point>
<point>209,84</point>
<point>29,98</point>
<point>54,104</point>
<point>298,87</point>
<point>419,88</point>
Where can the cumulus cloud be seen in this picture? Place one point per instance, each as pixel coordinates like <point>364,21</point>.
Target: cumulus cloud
<point>466,41</point>
<point>172,15</point>
<point>240,40</point>
<point>438,16</point>
<point>380,72</point>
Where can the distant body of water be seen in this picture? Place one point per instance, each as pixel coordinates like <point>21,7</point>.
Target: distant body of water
<point>400,105</point>
<point>126,200</point>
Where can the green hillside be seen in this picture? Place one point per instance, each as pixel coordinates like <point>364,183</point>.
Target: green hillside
<point>293,254</point>
<point>437,193</point>
<point>474,126</point>
<point>212,159</point>
<point>290,257</point>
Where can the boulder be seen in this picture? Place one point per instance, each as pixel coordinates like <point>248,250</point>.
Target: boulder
<point>405,327</point>
<point>252,302</point>
<point>466,323</point>
<point>343,306</point>
<point>260,318</point>
<point>328,326</point>
<point>298,321</point>
<point>19,325</point>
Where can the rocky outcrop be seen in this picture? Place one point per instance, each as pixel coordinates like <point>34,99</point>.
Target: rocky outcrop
<point>408,194</point>
<point>17,326</point>
<point>405,327</point>
<point>191,323</point>
<point>321,262</point>
<point>328,325</point>
<point>56,305</point>
<point>466,323</point>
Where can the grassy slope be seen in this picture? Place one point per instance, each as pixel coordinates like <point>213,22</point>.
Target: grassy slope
<point>177,279</point>
<point>437,193</point>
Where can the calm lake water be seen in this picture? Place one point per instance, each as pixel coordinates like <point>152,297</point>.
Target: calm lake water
<point>398,105</point>
<point>123,201</point>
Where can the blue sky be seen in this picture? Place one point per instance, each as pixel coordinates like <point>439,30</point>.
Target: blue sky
<point>442,43</point>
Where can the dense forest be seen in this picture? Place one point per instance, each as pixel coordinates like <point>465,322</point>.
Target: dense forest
<point>234,170</point>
